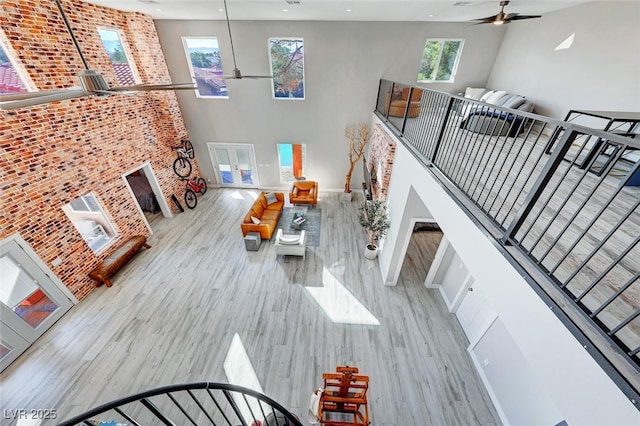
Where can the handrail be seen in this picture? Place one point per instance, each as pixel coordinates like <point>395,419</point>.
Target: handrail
<point>546,188</point>
<point>179,404</point>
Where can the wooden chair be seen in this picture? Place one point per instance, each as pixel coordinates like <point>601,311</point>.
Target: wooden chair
<point>344,400</point>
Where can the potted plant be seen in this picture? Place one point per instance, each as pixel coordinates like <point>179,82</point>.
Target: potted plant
<point>358,137</point>
<point>374,217</point>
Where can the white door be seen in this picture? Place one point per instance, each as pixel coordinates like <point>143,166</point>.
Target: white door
<point>30,301</point>
<point>475,314</point>
<point>235,165</point>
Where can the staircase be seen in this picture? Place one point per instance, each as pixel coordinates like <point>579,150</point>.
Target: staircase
<point>197,404</point>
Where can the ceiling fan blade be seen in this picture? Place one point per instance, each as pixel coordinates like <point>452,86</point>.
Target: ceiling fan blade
<point>150,87</point>
<point>520,17</point>
<point>39,100</point>
<point>5,97</point>
<point>486,20</point>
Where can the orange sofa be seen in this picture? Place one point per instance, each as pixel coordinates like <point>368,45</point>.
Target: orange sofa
<point>304,192</point>
<point>267,214</point>
<point>399,102</point>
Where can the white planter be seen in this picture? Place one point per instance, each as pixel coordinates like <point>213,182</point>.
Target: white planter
<point>346,196</point>
<point>370,251</point>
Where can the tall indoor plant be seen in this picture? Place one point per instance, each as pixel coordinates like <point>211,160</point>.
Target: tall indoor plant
<point>374,217</point>
<point>358,137</point>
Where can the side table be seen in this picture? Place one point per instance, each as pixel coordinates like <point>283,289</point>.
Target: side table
<point>252,241</point>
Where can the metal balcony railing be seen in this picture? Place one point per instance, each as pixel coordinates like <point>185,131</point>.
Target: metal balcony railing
<point>562,200</point>
<point>194,404</point>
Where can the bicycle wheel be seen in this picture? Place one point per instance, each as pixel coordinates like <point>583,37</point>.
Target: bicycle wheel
<point>190,199</point>
<point>182,167</point>
<point>202,184</point>
<point>188,149</point>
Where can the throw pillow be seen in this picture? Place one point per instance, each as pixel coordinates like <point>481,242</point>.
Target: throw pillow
<point>271,197</point>
<point>514,102</point>
<point>503,100</point>
<point>527,106</point>
<point>255,220</point>
<point>495,96</point>
<point>474,93</point>
<point>486,95</point>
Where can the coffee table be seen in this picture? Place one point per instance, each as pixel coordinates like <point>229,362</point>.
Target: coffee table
<point>299,219</point>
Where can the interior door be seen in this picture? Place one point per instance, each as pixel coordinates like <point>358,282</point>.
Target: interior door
<point>475,314</point>
<point>235,165</point>
<point>30,302</point>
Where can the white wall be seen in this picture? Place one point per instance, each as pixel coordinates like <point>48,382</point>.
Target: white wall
<point>502,363</point>
<point>599,72</point>
<point>582,392</point>
<point>344,62</point>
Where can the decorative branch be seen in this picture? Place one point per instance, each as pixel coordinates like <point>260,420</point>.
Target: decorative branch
<point>358,136</point>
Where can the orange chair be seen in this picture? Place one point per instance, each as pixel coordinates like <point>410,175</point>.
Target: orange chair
<point>304,192</point>
<point>399,101</point>
<point>344,400</point>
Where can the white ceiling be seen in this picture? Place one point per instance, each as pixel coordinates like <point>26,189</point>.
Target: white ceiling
<point>335,10</point>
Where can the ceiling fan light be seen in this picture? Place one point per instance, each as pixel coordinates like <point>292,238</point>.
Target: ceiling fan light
<point>498,22</point>
<point>91,81</point>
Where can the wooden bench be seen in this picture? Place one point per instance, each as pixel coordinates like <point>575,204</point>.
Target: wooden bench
<point>117,259</point>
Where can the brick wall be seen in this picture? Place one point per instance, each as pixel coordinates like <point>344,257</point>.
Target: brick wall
<point>380,156</point>
<point>53,153</point>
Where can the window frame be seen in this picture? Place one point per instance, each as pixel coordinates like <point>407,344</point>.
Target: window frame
<point>19,70</point>
<point>190,65</point>
<point>100,226</point>
<point>273,84</point>
<point>454,69</point>
<point>127,53</point>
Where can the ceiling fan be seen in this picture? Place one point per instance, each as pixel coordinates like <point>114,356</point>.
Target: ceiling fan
<point>504,18</point>
<point>236,74</point>
<point>91,84</point>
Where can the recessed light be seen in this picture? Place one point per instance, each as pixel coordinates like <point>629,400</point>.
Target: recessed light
<point>348,10</point>
<point>220,10</point>
<point>285,10</point>
<point>430,16</point>
<point>158,9</point>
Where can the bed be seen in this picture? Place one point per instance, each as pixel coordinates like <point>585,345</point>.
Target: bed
<point>144,194</point>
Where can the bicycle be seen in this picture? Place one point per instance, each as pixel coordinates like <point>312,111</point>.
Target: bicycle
<point>193,186</point>
<point>182,166</point>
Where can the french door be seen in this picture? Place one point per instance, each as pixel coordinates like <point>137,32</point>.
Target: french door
<point>234,164</point>
<point>30,301</point>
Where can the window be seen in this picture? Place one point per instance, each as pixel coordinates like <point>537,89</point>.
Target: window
<point>10,80</point>
<point>119,57</point>
<point>292,161</point>
<point>205,64</point>
<point>89,219</point>
<point>440,60</point>
<point>286,56</point>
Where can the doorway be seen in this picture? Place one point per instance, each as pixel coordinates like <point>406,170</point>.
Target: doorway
<point>31,301</point>
<point>421,250</point>
<point>146,192</point>
<point>234,165</point>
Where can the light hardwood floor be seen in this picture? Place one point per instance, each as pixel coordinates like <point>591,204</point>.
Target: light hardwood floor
<point>173,312</point>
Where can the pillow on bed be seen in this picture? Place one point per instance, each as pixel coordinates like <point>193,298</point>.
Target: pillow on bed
<point>486,95</point>
<point>527,106</point>
<point>514,102</point>
<point>495,96</point>
<point>474,93</point>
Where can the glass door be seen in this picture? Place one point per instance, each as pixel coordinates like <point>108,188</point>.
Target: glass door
<point>30,302</point>
<point>235,165</point>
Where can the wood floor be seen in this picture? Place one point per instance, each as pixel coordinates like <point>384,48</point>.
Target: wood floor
<point>173,311</point>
